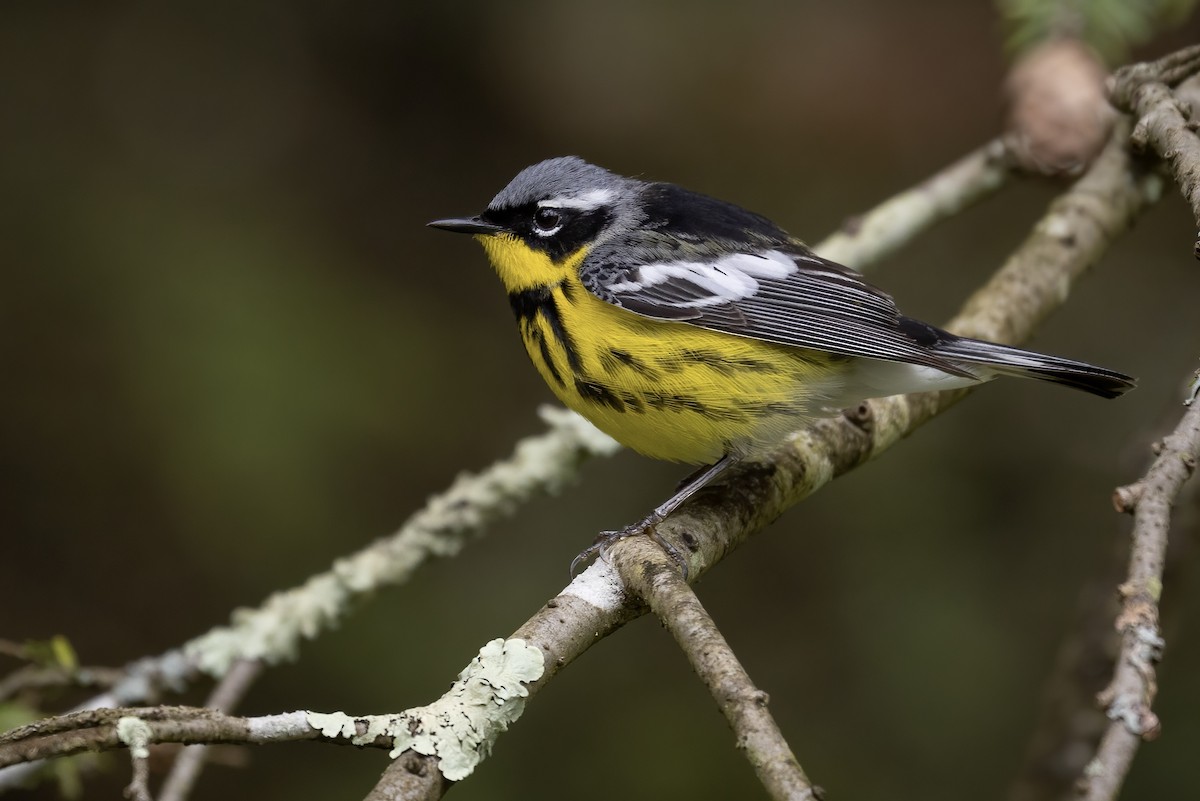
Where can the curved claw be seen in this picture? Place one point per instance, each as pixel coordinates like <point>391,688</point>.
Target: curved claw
<point>582,558</point>
<point>606,539</point>
<point>647,525</point>
<point>599,548</point>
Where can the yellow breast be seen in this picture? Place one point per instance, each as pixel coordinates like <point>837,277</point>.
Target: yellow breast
<point>669,390</point>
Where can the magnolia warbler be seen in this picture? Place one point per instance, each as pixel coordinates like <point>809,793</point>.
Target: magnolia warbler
<point>692,330</point>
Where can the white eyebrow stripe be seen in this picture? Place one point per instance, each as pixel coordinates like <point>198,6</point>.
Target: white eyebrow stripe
<point>593,199</point>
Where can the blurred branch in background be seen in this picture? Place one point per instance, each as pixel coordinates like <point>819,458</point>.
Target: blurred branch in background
<point>52,664</point>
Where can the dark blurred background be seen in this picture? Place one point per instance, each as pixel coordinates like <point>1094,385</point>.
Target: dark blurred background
<point>232,352</point>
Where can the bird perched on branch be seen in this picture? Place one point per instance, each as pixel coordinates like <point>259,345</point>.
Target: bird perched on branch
<point>692,330</point>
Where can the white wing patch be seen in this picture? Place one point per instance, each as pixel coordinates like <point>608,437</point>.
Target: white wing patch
<point>728,279</point>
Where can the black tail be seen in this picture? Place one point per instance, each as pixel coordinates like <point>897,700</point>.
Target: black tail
<point>1007,360</point>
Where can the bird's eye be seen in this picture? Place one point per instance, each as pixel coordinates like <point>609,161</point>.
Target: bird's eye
<point>547,221</point>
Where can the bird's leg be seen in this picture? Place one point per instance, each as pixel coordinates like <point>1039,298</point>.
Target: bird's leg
<point>690,486</point>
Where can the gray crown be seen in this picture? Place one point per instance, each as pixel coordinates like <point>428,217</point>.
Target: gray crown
<point>562,177</point>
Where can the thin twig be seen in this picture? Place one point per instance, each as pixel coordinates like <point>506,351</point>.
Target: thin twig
<point>98,730</point>
<point>138,788</point>
<point>647,571</point>
<point>52,663</point>
<point>1172,70</point>
<point>1130,696</point>
<point>225,697</point>
<point>39,677</point>
<point>1144,90</point>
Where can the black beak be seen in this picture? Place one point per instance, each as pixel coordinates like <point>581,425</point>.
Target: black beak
<point>467,225</point>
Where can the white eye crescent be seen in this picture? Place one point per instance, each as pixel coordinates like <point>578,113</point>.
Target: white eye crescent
<point>547,221</point>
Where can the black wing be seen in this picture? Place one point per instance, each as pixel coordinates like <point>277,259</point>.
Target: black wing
<point>747,277</point>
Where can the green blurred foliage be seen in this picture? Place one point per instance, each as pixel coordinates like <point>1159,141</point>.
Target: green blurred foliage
<point>232,352</point>
<point>1112,27</point>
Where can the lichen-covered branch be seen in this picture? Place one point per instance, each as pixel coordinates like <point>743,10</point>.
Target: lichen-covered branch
<point>1129,698</point>
<point>456,732</point>
<point>654,577</point>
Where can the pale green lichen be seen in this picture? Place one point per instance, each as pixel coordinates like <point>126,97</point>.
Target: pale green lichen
<point>333,724</point>
<point>135,733</point>
<point>461,726</point>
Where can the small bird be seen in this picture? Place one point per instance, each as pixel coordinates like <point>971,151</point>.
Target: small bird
<point>692,330</point>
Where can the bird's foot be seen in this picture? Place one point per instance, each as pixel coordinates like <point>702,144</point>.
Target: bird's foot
<point>606,539</point>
